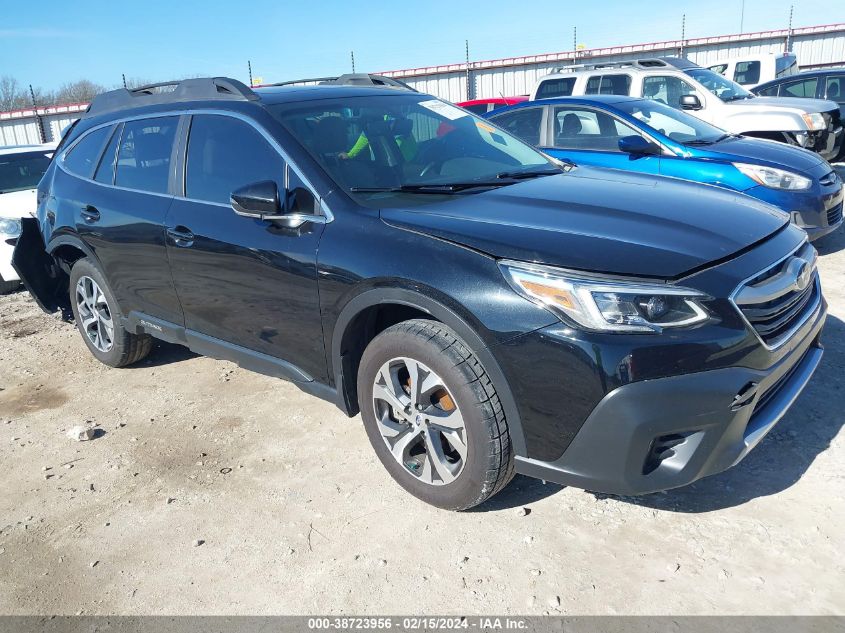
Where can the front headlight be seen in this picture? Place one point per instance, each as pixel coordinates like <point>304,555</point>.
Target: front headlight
<point>814,121</point>
<point>10,227</point>
<point>774,178</point>
<point>607,305</point>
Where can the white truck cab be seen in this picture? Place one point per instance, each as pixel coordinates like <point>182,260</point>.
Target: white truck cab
<point>21,167</point>
<point>753,70</point>
<point>809,123</point>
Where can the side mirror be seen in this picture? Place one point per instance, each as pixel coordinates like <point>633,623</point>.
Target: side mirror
<point>689,102</point>
<point>636,144</point>
<point>258,200</point>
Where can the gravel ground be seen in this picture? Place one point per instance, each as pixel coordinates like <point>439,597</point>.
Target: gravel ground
<point>212,490</point>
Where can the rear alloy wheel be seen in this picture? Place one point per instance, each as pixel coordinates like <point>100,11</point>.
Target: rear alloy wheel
<point>98,318</point>
<point>93,309</point>
<point>433,416</point>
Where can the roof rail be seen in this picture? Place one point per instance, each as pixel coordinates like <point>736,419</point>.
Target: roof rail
<point>202,89</point>
<point>350,79</point>
<point>648,62</point>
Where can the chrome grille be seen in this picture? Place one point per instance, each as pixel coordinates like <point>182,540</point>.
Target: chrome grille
<point>778,300</point>
<point>834,214</point>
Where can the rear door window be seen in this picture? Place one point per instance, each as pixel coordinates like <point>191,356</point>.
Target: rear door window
<point>800,88</point>
<point>105,172</point>
<point>747,73</point>
<point>84,156</point>
<point>523,123</point>
<point>556,88</point>
<point>609,85</point>
<point>143,160</point>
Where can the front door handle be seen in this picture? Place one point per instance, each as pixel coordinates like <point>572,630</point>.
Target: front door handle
<point>181,235</point>
<point>90,214</point>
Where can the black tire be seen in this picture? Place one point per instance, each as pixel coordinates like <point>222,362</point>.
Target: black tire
<point>126,348</point>
<point>8,286</point>
<point>489,464</point>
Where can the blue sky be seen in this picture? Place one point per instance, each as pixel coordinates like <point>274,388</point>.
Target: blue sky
<point>61,41</point>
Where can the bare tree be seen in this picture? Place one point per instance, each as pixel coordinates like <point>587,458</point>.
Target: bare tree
<point>10,93</point>
<point>81,91</point>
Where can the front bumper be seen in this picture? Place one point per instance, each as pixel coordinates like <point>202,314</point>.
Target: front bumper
<point>7,247</point>
<point>668,432</point>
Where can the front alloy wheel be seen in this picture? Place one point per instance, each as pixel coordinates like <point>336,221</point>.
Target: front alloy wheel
<point>419,421</point>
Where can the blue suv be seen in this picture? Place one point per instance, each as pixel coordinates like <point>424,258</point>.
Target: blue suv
<point>648,136</point>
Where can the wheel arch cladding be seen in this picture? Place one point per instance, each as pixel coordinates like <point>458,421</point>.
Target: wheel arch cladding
<point>373,311</point>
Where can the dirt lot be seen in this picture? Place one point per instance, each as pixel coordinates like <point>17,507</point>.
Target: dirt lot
<point>295,514</point>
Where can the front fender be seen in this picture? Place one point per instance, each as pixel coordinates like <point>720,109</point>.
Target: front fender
<point>447,316</point>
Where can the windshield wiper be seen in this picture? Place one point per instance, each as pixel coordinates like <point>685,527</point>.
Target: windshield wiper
<point>441,188</point>
<point>708,141</point>
<point>737,97</point>
<point>532,173</point>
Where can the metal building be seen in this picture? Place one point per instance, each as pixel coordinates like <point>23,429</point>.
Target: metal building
<point>815,46</point>
<point>26,127</point>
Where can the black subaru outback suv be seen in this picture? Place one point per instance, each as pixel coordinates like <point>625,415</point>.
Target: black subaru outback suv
<point>486,310</point>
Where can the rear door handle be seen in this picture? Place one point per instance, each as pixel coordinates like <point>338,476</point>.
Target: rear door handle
<point>90,214</point>
<point>181,236</point>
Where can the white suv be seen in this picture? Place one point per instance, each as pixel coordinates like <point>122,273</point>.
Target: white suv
<point>20,170</point>
<point>810,123</point>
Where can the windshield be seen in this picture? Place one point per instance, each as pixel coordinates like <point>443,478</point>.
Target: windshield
<point>677,125</point>
<point>409,144</point>
<point>720,86</point>
<point>19,172</point>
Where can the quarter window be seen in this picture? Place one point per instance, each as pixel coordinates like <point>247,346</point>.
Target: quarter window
<point>802,88</point>
<point>225,154</point>
<point>556,88</point>
<point>609,85</point>
<point>747,73</point>
<point>82,158</point>
<point>143,161</point>
<point>666,89</point>
<point>523,123</point>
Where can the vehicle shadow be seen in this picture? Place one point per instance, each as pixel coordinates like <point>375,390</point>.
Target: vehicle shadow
<point>520,492</point>
<point>783,456</point>
<point>831,243</point>
<point>164,354</point>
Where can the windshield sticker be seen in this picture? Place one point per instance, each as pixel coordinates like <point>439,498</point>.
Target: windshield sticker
<point>443,109</point>
<point>483,126</point>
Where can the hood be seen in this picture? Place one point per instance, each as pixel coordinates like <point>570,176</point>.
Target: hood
<point>17,204</point>
<point>757,150</point>
<point>797,104</point>
<point>600,220</point>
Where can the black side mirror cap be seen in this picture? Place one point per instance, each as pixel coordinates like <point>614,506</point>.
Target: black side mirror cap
<point>257,200</point>
<point>636,144</point>
<point>690,102</point>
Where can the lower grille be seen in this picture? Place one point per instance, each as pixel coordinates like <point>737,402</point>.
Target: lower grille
<point>834,214</point>
<point>777,301</point>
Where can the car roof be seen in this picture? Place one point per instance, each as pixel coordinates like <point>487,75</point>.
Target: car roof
<point>579,100</point>
<point>25,149</point>
<point>804,74</point>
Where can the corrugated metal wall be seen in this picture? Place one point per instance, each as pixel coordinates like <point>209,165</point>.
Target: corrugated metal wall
<point>815,46</point>
<point>21,127</point>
